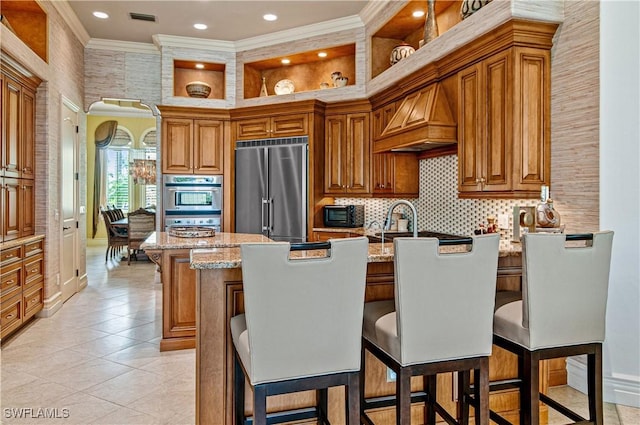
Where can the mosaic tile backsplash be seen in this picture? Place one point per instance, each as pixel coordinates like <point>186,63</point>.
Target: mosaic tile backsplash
<point>438,207</point>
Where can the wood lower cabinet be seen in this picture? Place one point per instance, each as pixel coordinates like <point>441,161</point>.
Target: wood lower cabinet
<point>273,126</point>
<point>178,298</point>
<point>22,283</point>
<point>18,208</point>
<point>504,125</point>
<point>347,150</point>
<point>193,140</point>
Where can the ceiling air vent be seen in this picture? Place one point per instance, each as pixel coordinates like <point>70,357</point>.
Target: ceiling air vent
<point>142,17</point>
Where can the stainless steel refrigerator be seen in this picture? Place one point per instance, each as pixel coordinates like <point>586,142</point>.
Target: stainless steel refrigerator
<point>271,188</point>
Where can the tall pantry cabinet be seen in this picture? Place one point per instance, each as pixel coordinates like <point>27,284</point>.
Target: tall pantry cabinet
<point>21,252</point>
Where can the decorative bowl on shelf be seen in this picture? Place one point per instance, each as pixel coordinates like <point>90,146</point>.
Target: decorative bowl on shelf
<point>284,87</point>
<point>198,89</point>
<point>400,52</point>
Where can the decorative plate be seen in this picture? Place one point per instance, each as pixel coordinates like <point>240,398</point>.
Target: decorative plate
<point>284,87</point>
<point>192,232</point>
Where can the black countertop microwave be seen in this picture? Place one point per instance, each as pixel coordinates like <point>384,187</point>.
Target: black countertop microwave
<point>344,215</point>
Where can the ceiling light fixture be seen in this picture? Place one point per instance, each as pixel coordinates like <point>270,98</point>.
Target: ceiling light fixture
<point>200,66</point>
<point>100,15</point>
<point>200,26</point>
<point>286,61</point>
<point>322,54</point>
<point>418,14</point>
<point>269,17</point>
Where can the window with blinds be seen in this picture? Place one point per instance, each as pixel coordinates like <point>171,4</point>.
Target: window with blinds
<point>117,170</point>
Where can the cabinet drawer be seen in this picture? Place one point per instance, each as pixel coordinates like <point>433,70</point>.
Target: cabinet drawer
<point>10,315</point>
<point>34,269</point>
<point>290,125</point>
<point>33,248</point>
<point>11,280</point>
<point>10,255</point>
<point>33,300</point>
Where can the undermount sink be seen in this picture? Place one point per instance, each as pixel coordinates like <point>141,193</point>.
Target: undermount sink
<point>388,236</point>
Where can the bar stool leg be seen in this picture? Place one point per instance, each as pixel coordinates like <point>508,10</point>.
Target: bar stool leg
<point>238,390</point>
<point>464,378</point>
<point>322,405</point>
<point>594,385</point>
<point>481,379</point>
<point>430,385</point>
<point>259,405</point>
<point>530,389</point>
<point>403,397</point>
<point>352,399</point>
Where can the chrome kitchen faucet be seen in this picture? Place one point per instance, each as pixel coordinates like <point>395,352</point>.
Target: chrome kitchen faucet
<point>413,210</point>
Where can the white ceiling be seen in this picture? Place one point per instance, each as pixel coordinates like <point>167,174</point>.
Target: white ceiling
<point>227,20</point>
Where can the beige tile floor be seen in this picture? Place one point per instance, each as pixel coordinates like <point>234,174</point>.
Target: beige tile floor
<point>97,360</point>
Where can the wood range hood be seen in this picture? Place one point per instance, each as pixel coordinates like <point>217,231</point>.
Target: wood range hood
<point>423,121</point>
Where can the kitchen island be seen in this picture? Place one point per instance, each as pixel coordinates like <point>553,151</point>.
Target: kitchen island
<point>219,297</point>
<point>171,254</point>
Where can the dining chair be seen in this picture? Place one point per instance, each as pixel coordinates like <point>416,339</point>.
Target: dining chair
<point>116,240</point>
<point>302,326</point>
<point>142,224</point>
<point>562,313</point>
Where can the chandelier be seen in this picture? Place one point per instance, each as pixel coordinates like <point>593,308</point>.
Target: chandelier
<point>142,170</point>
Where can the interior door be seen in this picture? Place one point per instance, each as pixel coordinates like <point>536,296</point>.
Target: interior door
<point>69,200</point>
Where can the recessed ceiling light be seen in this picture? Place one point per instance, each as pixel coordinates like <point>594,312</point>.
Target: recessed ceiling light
<point>200,66</point>
<point>269,17</point>
<point>200,26</point>
<point>418,14</point>
<point>100,15</point>
<point>322,54</point>
<point>286,61</point>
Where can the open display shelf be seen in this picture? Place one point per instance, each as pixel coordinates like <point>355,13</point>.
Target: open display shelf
<point>27,20</point>
<point>306,70</point>
<point>185,71</point>
<point>404,28</point>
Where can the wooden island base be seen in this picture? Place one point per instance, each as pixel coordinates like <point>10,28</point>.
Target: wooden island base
<point>219,297</point>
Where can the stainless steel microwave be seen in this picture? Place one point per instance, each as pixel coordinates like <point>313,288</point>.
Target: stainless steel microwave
<point>192,194</point>
<point>344,215</point>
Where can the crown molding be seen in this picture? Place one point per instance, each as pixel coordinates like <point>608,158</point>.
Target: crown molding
<point>296,34</point>
<point>372,9</point>
<point>70,17</point>
<point>163,40</point>
<point>122,46</point>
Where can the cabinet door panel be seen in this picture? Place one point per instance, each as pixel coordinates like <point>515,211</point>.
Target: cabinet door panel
<point>532,128</point>
<point>27,208</point>
<point>497,155</point>
<point>358,153</point>
<point>470,123</point>
<point>253,129</point>
<point>10,315</point>
<point>182,307</point>
<point>335,133</point>
<point>382,173</point>
<point>207,147</point>
<point>28,118</point>
<point>289,125</point>
<point>11,223</point>
<point>177,135</point>
<point>11,123</point>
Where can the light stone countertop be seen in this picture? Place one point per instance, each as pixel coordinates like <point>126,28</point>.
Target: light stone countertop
<point>162,240</point>
<point>21,241</point>
<point>229,258</point>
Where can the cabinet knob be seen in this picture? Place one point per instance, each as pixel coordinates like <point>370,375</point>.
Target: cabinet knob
<point>9,316</point>
<point>9,282</point>
<point>24,170</point>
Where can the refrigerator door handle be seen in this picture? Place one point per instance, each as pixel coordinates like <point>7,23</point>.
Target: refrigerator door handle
<point>264,228</point>
<point>271,215</point>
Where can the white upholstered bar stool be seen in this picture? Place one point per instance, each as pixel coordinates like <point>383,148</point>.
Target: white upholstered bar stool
<point>302,326</point>
<point>562,313</point>
<point>440,321</point>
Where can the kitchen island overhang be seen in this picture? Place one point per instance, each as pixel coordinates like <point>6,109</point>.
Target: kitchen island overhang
<point>219,297</point>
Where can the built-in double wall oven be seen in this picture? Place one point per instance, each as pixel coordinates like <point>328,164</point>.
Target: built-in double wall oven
<point>192,200</point>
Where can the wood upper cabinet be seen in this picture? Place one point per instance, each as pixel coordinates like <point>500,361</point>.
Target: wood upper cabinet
<point>395,175</point>
<point>504,125</point>
<point>347,154</point>
<point>18,121</point>
<point>192,146</point>
<point>392,174</point>
<point>272,126</point>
